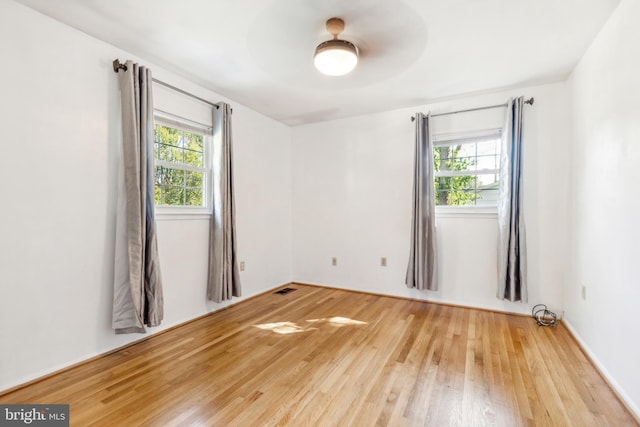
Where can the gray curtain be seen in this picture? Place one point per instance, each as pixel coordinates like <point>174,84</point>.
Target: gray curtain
<point>224,279</point>
<point>137,297</point>
<point>512,253</point>
<point>421,272</point>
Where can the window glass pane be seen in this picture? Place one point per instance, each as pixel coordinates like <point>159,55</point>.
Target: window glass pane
<point>157,194</point>
<point>194,179</point>
<point>488,180</point>
<point>491,146</point>
<point>488,154</point>
<point>193,197</point>
<point>179,150</point>
<point>466,185</point>
<point>487,190</point>
<point>488,162</point>
<point>166,135</point>
<point>464,157</point>
<point>173,177</point>
<point>169,153</point>
<point>193,158</point>
<point>193,141</point>
<point>156,133</point>
<point>456,190</point>
<point>468,157</point>
<point>159,175</point>
<point>454,158</point>
<point>171,196</point>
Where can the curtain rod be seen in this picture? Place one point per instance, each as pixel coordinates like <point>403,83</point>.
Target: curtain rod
<point>118,66</point>
<point>528,101</point>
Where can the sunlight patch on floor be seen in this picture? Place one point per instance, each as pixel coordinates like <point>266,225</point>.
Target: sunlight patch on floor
<point>337,321</point>
<point>285,328</point>
<point>282,328</point>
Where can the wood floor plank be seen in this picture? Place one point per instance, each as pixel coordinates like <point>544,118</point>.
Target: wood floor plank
<point>326,357</point>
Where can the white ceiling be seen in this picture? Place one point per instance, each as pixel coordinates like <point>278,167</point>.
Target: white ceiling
<point>259,52</point>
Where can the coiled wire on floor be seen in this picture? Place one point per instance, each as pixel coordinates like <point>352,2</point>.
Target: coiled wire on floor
<point>542,316</point>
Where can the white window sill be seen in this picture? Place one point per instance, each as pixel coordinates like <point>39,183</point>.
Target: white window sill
<point>466,212</point>
<point>181,214</point>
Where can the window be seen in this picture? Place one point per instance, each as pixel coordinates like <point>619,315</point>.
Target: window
<point>181,152</point>
<point>467,169</point>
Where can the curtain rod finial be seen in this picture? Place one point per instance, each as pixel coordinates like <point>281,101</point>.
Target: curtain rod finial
<point>529,101</point>
<point>118,66</point>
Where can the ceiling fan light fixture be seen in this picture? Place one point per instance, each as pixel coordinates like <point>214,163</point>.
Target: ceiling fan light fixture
<point>335,57</point>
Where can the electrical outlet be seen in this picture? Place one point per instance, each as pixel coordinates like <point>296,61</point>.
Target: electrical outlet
<point>383,261</point>
<point>241,265</point>
<point>584,292</point>
<point>334,261</point>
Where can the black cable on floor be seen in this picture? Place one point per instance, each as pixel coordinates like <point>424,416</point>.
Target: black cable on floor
<point>542,316</point>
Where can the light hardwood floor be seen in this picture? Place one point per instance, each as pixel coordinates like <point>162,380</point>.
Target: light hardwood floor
<point>323,357</point>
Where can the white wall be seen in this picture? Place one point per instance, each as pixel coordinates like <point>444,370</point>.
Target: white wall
<point>352,182</point>
<point>605,232</point>
<point>60,128</point>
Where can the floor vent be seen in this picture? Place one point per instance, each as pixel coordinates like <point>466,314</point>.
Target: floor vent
<point>285,291</point>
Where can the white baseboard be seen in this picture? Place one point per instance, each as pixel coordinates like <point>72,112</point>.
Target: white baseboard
<point>622,395</point>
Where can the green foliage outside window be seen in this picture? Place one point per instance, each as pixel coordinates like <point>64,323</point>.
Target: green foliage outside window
<point>453,190</point>
<point>178,186</point>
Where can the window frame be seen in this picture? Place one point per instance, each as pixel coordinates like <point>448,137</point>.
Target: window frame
<point>467,137</point>
<point>164,118</point>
